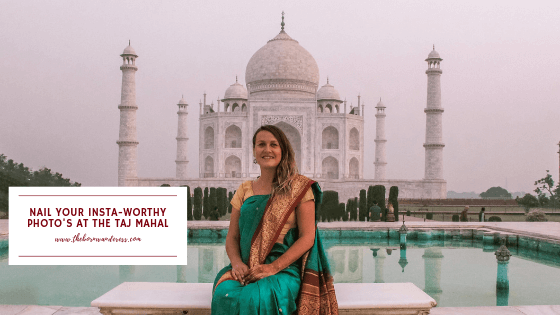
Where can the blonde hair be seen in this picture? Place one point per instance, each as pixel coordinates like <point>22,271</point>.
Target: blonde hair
<point>287,168</point>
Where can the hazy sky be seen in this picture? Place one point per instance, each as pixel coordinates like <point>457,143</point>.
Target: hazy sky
<point>60,81</point>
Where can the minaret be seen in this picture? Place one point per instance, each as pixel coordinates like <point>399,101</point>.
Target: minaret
<point>363,112</point>
<point>181,161</point>
<point>434,141</point>
<point>358,110</point>
<point>379,258</point>
<point>432,272</point>
<point>128,144</point>
<point>380,156</point>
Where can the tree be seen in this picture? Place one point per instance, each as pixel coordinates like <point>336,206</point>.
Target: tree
<point>197,203</point>
<point>370,197</point>
<point>229,206</point>
<point>496,192</point>
<point>329,206</point>
<point>205,205</point>
<point>528,201</point>
<point>546,185</point>
<point>213,199</point>
<point>342,211</point>
<point>351,208</point>
<point>17,175</point>
<point>379,196</point>
<point>221,199</point>
<point>355,208</point>
<point>393,199</point>
<point>225,200</point>
<point>536,216</point>
<point>544,201</point>
<point>364,211</point>
<point>189,203</point>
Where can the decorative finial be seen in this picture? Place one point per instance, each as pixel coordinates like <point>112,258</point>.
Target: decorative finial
<point>503,254</point>
<point>327,79</point>
<point>282,24</point>
<point>129,42</point>
<point>434,47</point>
<point>235,79</point>
<point>182,96</point>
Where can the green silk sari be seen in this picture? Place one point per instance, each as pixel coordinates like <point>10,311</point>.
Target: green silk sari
<point>304,287</point>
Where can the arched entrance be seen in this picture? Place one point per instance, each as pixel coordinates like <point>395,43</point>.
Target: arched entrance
<point>330,168</point>
<point>233,137</point>
<point>295,140</point>
<point>208,167</point>
<point>233,166</point>
<point>354,168</point>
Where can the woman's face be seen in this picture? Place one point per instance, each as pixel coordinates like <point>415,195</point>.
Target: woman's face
<point>267,150</point>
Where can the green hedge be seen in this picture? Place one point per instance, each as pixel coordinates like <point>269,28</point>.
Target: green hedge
<point>494,218</point>
<point>197,203</point>
<point>394,200</point>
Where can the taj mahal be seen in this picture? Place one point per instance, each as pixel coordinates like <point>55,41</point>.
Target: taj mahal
<point>282,89</point>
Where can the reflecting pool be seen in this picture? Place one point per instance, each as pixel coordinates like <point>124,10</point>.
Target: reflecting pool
<point>454,273</point>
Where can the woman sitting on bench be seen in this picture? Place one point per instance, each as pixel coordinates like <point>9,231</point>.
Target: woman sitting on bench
<point>278,265</point>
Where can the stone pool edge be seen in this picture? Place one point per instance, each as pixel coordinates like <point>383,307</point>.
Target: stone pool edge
<point>480,310</point>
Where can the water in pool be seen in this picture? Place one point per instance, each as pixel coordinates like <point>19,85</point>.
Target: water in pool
<point>453,273</point>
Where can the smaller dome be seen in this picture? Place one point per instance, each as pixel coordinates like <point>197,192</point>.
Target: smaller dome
<point>236,90</point>
<point>129,50</point>
<point>328,92</point>
<point>380,104</point>
<point>182,102</point>
<point>434,54</point>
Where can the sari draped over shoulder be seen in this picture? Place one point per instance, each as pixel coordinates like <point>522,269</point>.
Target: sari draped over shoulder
<point>304,288</point>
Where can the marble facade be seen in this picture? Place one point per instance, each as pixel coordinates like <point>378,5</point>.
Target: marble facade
<point>282,89</point>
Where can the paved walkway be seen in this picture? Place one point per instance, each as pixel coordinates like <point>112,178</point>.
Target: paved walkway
<point>47,310</point>
<point>483,310</point>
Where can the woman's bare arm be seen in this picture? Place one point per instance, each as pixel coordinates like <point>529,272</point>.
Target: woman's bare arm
<point>239,269</point>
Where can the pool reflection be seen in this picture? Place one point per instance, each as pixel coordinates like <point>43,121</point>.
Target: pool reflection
<point>453,272</point>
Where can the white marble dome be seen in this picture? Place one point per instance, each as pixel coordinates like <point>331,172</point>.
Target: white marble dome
<point>380,104</point>
<point>236,90</point>
<point>328,92</point>
<point>282,58</point>
<point>182,102</point>
<point>434,54</point>
<point>129,51</point>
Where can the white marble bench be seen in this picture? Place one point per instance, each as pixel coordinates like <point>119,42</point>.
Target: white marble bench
<point>160,298</point>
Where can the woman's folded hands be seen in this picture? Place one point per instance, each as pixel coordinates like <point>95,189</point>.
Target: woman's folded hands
<point>258,272</point>
<point>239,271</point>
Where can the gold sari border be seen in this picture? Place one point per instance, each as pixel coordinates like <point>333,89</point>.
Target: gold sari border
<point>277,212</point>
